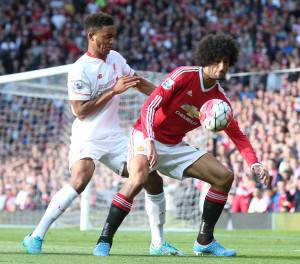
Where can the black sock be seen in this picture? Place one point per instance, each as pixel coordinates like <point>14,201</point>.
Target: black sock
<point>119,209</point>
<point>212,209</point>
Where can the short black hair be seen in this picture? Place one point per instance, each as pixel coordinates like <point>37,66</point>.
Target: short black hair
<point>95,22</point>
<point>213,48</point>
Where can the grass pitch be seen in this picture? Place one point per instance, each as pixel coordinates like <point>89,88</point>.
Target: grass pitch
<point>72,246</point>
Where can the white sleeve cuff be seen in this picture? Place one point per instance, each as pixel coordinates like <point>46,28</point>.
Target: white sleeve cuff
<point>255,164</point>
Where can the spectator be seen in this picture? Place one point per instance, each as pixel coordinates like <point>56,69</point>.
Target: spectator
<point>258,203</point>
<point>297,196</point>
<point>242,197</point>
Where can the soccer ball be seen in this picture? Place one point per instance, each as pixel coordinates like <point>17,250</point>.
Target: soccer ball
<point>215,115</point>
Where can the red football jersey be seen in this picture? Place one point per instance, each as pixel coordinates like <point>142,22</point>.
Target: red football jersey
<point>172,110</point>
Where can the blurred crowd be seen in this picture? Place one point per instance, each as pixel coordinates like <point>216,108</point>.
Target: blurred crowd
<point>270,118</point>
<point>154,36</point>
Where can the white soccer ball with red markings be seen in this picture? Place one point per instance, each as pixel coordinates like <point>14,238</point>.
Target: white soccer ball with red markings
<point>215,115</point>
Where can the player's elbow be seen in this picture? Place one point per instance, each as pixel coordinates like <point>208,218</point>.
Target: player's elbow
<point>80,115</point>
<point>80,109</point>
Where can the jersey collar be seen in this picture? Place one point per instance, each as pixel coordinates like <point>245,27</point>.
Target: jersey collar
<point>202,83</point>
<point>93,56</point>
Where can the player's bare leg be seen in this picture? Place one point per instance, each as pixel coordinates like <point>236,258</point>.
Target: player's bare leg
<point>155,208</point>
<point>81,173</point>
<point>210,170</point>
<point>121,205</point>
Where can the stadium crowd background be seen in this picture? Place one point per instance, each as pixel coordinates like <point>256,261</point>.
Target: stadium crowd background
<point>154,36</point>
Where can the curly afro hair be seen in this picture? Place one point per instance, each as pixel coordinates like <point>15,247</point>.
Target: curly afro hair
<point>214,48</point>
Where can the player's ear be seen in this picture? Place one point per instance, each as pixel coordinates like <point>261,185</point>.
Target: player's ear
<point>91,36</point>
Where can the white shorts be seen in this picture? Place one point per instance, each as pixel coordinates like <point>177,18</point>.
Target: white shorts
<point>172,159</point>
<point>112,152</point>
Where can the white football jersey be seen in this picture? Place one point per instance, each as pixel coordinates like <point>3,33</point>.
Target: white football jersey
<point>88,78</point>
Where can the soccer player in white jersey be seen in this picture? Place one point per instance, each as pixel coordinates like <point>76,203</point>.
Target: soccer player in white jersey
<point>169,113</point>
<point>95,82</point>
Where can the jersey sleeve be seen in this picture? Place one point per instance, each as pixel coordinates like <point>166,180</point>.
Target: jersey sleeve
<point>242,142</point>
<point>125,68</point>
<point>239,139</point>
<point>160,97</point>
<point>79,87</point>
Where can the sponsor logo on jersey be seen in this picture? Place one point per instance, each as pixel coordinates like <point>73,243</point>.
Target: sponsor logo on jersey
<point>191,110</point>
<point>167,84</point>
<point>186,118</point>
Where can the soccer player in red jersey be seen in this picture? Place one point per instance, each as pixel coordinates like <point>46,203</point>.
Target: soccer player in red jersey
<point>170,112</point>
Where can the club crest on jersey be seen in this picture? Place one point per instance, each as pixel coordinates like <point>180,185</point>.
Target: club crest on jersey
<point>140,148</point>
<point>167,84</point>
<point>99,76</point>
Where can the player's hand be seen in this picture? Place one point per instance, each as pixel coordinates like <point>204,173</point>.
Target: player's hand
<point>152,154</point>
<point>124,83</point>
<point>261,173</point>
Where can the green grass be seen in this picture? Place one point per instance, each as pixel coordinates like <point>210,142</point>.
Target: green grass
<point>72,246</point>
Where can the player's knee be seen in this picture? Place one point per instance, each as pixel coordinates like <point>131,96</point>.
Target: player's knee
<point>230,178</point>
<point>154,184</point>
<point>227,179</point>
<point>79,186</point>
<point>139,178</point>
<point>79,182</point>
<point>224,180</point>
<point>138,182</point>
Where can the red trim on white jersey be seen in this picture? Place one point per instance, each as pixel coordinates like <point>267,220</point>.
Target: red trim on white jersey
<point>81,93</point>
<point>95,57</point>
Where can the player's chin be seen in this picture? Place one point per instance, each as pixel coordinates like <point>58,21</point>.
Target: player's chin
<point>105,51</point>
<point>108,49</point>
<point>220,76</point>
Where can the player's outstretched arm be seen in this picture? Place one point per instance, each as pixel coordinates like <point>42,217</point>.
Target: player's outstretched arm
<point>145,87</point>
<point>84,108</point>
<point>245,148</point>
